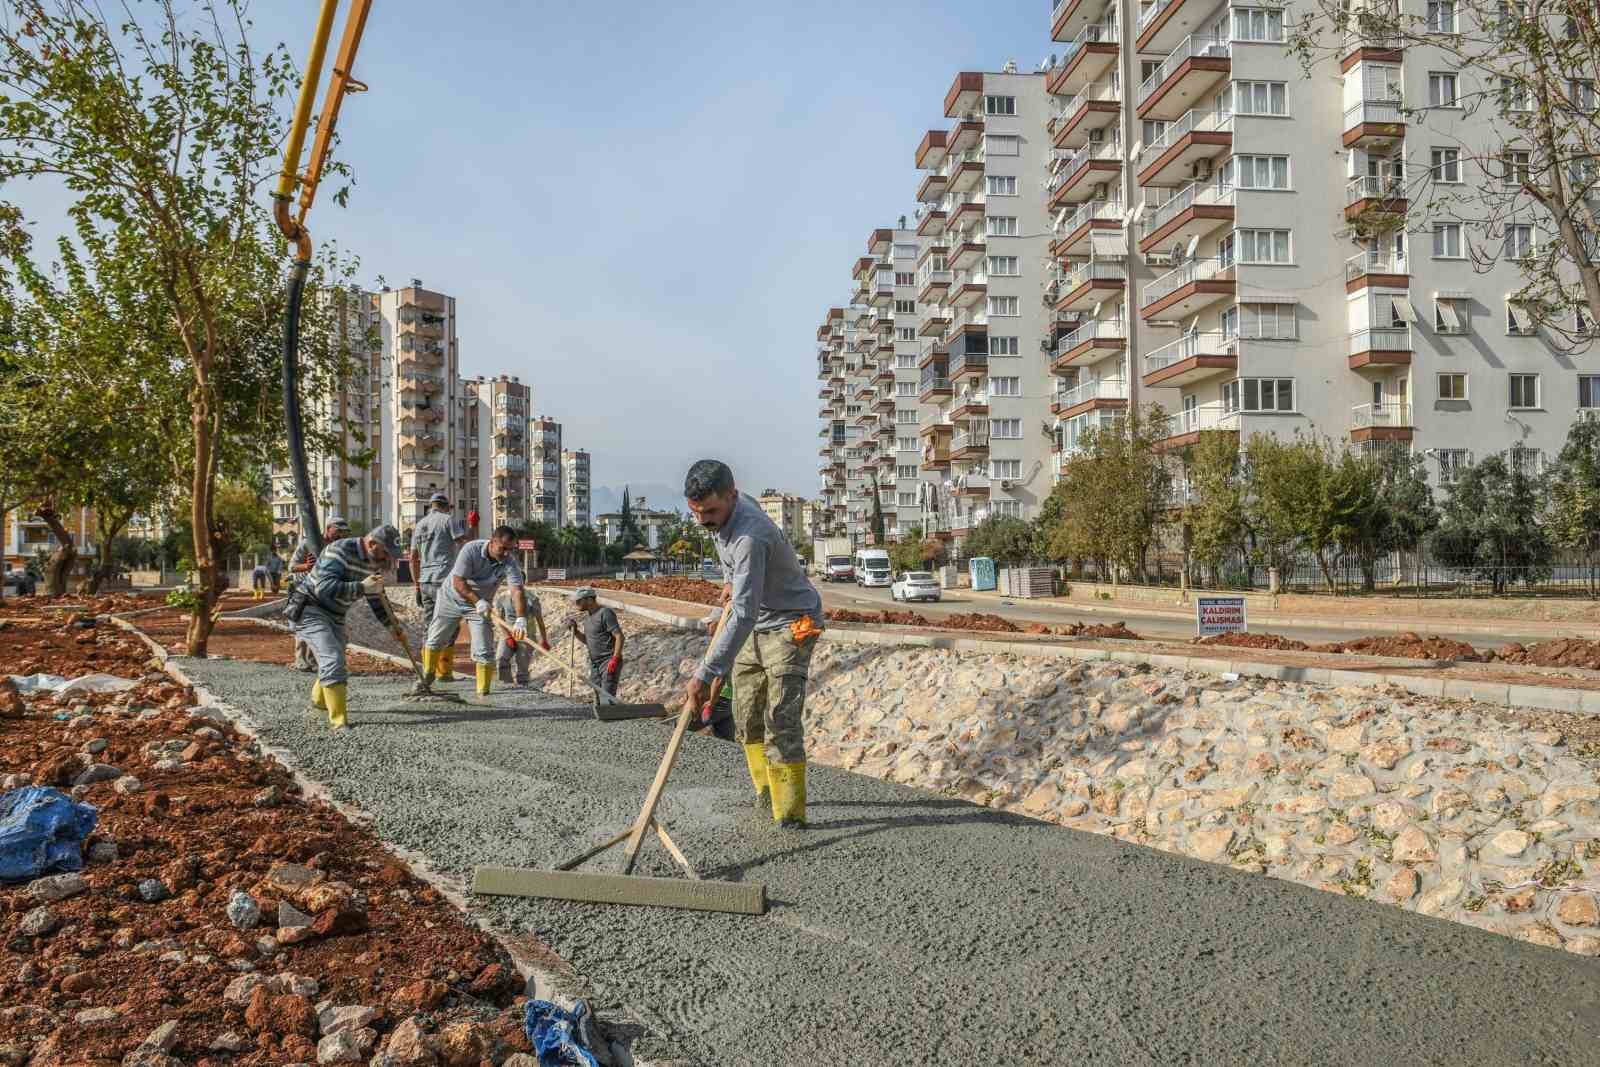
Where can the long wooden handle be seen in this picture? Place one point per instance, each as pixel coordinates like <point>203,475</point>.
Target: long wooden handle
<point>393,622</point>
<point>552,657</point>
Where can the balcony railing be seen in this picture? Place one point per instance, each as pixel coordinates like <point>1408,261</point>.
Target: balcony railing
<point>1212,416</point>
<point>1088,211</point>
<point>1374,111</point>
<point>962,361</point>
<point>1206,193</point>
<point>1376,416</point>
<point>1374,187</point>
<point>1193,121</point>
<point>1193,46</point>
<point>1197,270</point>
<point>1384,339</point>
<point>930,380</point>
<point>1094,33</point>
<point>1093,269</point>
<point>1100,389</point>
<point>1106,90</point>
<point>953,163</point>
<point>1093,330</point>
<point>1074,162</point>
<point>1374,263</point>
<point>1190,345</point>
<point>967,439</point>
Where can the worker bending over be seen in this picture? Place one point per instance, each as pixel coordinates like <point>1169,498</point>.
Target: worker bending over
<point>258,581</point>
<point>435,540</point>
<point>479,569</point>
<point>772,616</point>
<point>602,636</point>
<point>300,564</point>
<point>346,571</point>
<point>511,650</point>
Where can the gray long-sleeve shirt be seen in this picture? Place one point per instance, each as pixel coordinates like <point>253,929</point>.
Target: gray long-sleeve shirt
<point>770,590</point>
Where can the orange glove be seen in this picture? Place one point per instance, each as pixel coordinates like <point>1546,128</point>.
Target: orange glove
<point>804,629</point>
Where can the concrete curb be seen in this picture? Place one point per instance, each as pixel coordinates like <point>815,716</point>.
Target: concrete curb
<point>1497,694</point>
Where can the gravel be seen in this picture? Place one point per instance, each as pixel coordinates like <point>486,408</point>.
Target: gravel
<point>911,927</point>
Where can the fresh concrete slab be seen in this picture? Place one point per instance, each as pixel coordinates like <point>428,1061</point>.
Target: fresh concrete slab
<point>909,927</point>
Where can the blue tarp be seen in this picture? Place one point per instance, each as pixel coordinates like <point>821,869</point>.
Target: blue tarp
<point>554,1032</point>
<point>42,830</point>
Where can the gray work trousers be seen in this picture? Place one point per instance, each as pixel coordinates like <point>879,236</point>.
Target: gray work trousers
<point>521,656</point>
<point>445,623</point>
<point>602,679</point>
<point>324,633</point>
<point>427,597</point>
<point>303,659</point>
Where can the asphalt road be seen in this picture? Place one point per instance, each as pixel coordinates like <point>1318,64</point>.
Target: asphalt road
<point>907,927</point>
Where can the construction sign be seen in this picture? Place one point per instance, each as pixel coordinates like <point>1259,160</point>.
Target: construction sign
<point>1219,615</point>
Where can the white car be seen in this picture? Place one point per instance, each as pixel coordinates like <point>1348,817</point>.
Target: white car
<point>915,585</point>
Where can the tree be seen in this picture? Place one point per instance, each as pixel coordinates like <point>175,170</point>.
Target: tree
<point>877,525</point>
<point>1116,487</point>
<point>1572,507</point>
<point>164,132</point>
<point>1215,516</point>
<point>1489,525</point>
<point>629,536</point>
<point>1533,67</point>
<point>1000,537</point>
<point>1288,501</point>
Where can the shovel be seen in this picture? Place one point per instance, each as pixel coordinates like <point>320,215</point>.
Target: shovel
<point>608,708</point>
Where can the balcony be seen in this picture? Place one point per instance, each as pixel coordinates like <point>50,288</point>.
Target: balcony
<point>969,405</point>
<point>1089,55</point>
<point>963,364</point>
<point>1378,199</point>
<point>936,456</point>
<point>880,242</point>
<point>1164,23</point>
<point>935,320</point>
<point>882,295</point>
<point>965,172</point>
<point>1085,174</point>
<point>1092,216</point>
<point>1192,212</point>
<point>1192,358</point>
<point>935,425</point>
<point>931,152</point>
<point>968,445</point>
<point>930,220</point>
<point>1090,343</point>
<point>1375,268</point>
<point>967,254</point>
<point>966,93</point>
<point>1068,17</point>
<point>1374,124</point>
<point>1089,284</point>
<point>1185,427</point>
<point>935,284</point>
<point>974,486</point>
<point>1363,48</point>
<point>1103,394</point>
<point>1380,422</point>
<point>933,383</point>
<point>965,212</point>
<point>1196,136</point>
<point>1186,289</point>
<point>970,291</point>
<point>1094,107</point>
<point>1192,70</point>
<point>965,135</point>
<point>1380,348</point>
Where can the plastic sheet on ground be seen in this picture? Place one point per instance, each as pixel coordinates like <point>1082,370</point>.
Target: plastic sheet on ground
<point>557,1034</point>
<point>42,830</point>
<point>87,683</point>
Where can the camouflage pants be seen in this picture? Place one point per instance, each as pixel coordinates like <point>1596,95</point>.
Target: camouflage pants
<point>769,693</point>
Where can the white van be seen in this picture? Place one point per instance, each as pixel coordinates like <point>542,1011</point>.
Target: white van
<point>872,567</point>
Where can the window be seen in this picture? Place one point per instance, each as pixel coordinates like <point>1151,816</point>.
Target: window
<point>1152,131</point>
<point>1581,92</point>
<point>1006,509</point>
<point>1450,314</point>
<point>1002,144</point>
<point>1002,184</point>
<point>1229,323</point>
<point>905,333</point>
<point>1258,394</point>
<point>1005,468</point>
<point>1002,346</point>
<point>905,251</point>
<point>1442,89</point>
<point>1260,98</point>
<point>1001,225</point>
<point>905,361</point>
<point>1003,266</point>
<point>905,388</point>
<point>1515,95</point>
<point>1148,67</point>
<point>906,500</point>
<point>1524,390</point>
<point>904,277</point>
<point>1266,322</point>
<point>905,471</point>
<point>905,307</point>
<point>999,105</point>
<point>1007,428</point>
<point>1442,16</point>
<point>1257,24</point>
<point>1446,164</point>
<point>1263,246</point>
<point>1589,390</point>
<point>1005,386</point>
<point>906,444</point>
<point>1516,166</point>
<point>1526,461</point>
<point>1003,306</point>
<point>1261,172</point>
<point>1519,241</point>
<point>1452,387</point>
<point>1447,240</point>
<point>1452,461</point>
<point>852,409</point>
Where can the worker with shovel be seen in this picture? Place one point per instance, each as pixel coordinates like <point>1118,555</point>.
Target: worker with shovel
<point>347,571</point>
<point>511,650</point>
<point>601,634</point>
<point>468,594</point>
<point>772,619</point>
<point>435,541</point>
<point>300,564</point>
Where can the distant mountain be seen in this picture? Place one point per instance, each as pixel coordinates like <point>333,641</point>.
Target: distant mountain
<point>605,498</point>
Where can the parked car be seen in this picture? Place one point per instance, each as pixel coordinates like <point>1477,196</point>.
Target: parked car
<point>711,570</point>
<point>872,568</point>
<point>21,583</point>
<point>839,569</point>
<point>916,585</point>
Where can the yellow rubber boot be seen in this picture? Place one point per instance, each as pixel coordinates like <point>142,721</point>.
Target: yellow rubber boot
<point>335,695</point>
<point>318,696</point>
<point>485,676</point>
<point>445,660</point>
<point>755,757</point>
<point>788,781</point>
<point>430,662</point>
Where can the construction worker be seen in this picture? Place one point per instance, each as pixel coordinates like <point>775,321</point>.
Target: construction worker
<point>510,649</point>
<point>479,569</point>
<point>300,564</point>
<point>772,617</point>
<point>602,636</point>
<point>274,569</point>
<point>347,570</point>
<point>258,582</point>
<point>435,540</point>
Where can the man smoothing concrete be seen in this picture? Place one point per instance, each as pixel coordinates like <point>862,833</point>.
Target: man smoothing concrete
<point>773,618</point>
<point>346,571</point>
<point>602,636</point>
<point>478,571</point>
<point>435,541</point>
<point>300,564</point>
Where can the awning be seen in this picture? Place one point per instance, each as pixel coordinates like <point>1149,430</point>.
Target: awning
<point>1268,298</point>
<point>1447,312</point>
<point>1107,245</point>
<point>1519,315</point>
<point>1452,294</point>
<point>1403,309</point>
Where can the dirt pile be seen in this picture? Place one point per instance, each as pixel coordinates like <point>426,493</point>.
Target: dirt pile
<point>1248,640</point>
<point>218,909</point>
<point>1561,652</point>
<point>1405,646</point>
<point>692,590</point>
<point>880,618</point>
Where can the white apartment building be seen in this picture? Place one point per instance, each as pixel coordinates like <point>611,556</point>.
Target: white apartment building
<point>575,486</point>
<point>497,450</point>
<point>545,496</point>
<point>1271,275</point>
<point>650,524</point>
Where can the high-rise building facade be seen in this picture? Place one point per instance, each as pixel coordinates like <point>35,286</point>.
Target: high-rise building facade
<point>423,441</point>
<point>497,450</point>
<point>786,511</point>
<point>575,487</point>
<point>545,500</point>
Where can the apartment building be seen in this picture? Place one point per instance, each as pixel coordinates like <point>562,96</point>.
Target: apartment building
<point>836,432</point>
<point>24,538</point>
<point>787,512</point>
<point>497,450</point>
<point>983,232</point>
<point>545,496</point>
<point>1274,274</point>
<point>575,486</point>
<point>650,523</point>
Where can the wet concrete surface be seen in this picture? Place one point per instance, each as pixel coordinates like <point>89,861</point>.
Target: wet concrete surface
<point>908,927</point>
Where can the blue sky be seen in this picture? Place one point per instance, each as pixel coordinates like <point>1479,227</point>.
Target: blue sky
<point>644,209</point>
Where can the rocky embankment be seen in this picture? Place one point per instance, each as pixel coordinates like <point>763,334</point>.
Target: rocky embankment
<point>1448,809</point>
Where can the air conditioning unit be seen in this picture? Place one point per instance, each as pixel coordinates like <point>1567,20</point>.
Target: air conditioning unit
<point>1100,190</point>
<point>1044,342</point>
<point>1201,170</point>
<point>1007,484</point>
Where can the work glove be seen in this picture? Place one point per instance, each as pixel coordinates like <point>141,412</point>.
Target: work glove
<point>520,628</point>
<point>372,585</point>
<point>544,645</point>
<point>614,665</point>
<point>482,608</point>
